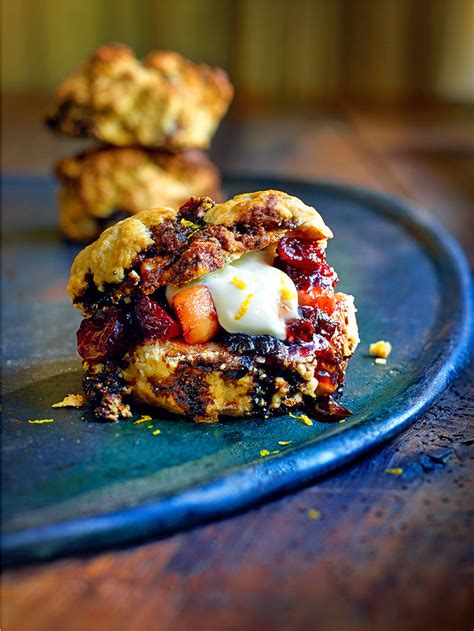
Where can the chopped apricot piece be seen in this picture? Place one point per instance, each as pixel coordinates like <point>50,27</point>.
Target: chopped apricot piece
<point>196,313</point>
<point>317,297</point>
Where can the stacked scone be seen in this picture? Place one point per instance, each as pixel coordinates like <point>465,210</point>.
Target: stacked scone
<point>154,120</point>
<point>216,309</point>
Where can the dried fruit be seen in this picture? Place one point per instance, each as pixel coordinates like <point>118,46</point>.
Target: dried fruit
<point>196,313</point>
<point>100,337</point>
<point>298,331</point>
<point>154,321</point>
<point>327,409</point>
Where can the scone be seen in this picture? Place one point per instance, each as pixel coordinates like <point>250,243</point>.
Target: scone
<point>166,101</point>
<point>217,309</point>
<point>104,185</point>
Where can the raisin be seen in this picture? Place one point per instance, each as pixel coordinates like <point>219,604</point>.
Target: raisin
<point>327,409</point>
<point>271,349</point>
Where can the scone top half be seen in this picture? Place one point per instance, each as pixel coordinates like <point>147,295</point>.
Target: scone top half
<point>165,101</point>
<point>215,309</point>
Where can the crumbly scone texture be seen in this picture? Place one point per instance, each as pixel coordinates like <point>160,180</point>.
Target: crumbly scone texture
<point>161,247</point>
<point>165,101</point>
<point>206,381</point>
<point>102,185</point>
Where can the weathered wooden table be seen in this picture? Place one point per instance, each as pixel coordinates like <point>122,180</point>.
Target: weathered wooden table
<point>387,552</point>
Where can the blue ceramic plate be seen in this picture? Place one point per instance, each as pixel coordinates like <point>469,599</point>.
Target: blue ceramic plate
<point>76,484</point>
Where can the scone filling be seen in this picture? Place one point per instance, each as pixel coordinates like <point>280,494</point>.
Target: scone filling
<point>274,309</point>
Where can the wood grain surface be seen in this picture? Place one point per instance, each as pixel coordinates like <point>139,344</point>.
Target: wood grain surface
<point>362,549</point>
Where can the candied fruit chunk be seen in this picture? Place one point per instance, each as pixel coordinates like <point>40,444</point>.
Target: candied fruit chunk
<point>196,313</point>
<point>154,321</point>
<point>316,297</point>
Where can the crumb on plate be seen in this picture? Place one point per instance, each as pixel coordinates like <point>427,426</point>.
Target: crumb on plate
<point>381,348</point>
<point>70,401</point>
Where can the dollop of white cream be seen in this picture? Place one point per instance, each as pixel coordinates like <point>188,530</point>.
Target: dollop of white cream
<point>250,295</point>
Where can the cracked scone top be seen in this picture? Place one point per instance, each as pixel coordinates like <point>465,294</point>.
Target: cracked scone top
<point>166,101</point>
<point>217,309</point>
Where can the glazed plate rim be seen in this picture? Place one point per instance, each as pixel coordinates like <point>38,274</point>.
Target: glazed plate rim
<point>266,478</point>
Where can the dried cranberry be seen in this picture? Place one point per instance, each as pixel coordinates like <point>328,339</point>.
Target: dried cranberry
<point>305,255</point>
<point>302,350</point>
<point>324,276</point>
<point>299,331</point>
<point>154,321</point>
<point>100,337</point>
<point>323,323</point>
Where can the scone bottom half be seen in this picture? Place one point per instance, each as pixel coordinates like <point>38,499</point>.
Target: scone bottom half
<point>214,310</point>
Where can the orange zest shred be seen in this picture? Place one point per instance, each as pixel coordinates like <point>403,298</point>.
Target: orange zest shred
<point>40,421</point>
<point>284,442</point>
<point>189,224</point>
<point>244,307</point>
<point>286,294</point>
<point>394,470</point>
<point>264,452</point>
<point>143,419</point>
<point>302,419</point>
<point>239,283</point>
<point>313,514</point>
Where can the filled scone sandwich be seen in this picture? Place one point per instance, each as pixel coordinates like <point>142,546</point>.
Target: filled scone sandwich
<point>217,309</point>
<point>167,101</point>
<point>102,186</point>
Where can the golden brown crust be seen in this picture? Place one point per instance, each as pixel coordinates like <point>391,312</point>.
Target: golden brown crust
<point>99,184</point>
<point>225,232</point>
<point>114,251</point>
<point>269,209</point>
<point>346,315</point>
<point>166,101</point>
